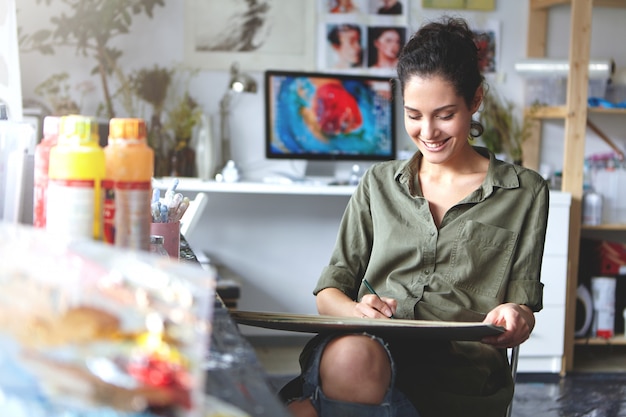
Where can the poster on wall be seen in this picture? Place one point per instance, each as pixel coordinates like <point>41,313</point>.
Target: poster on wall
<point>361,36</point>
<point>488,42</point>
<point>257,34</point>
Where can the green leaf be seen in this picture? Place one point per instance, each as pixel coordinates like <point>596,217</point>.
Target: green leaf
<point>41,35</point>
<point>46,49</point>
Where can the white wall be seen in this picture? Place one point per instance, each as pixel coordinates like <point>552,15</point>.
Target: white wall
<point>276,245</point>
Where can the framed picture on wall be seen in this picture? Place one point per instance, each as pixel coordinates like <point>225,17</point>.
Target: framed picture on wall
<point>361,36</point>
<point>488,42</point>
<point>459,4</point>
<point>257,34</point>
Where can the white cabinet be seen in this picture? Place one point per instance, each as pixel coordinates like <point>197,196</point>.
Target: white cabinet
<point>543,352</point>
<point>277,239</point>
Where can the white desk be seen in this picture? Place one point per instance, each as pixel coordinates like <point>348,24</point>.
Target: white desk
<point>248,187</point>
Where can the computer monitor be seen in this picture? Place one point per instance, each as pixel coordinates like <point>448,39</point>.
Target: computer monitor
<point>329,117</point>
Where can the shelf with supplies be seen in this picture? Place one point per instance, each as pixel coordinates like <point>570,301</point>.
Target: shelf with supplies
<point>575,116</point>
<point>617,340</point>
<point>306,187</point>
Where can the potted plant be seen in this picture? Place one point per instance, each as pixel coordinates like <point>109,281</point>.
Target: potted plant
<point>89,29</point>
<point>151,85</point>
<point>181,120</point>
<point>504,132</point>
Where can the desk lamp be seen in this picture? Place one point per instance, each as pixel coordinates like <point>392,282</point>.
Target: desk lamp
<point>239,83</point>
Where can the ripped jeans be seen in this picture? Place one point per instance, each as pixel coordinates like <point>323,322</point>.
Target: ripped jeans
<point>395,403</point>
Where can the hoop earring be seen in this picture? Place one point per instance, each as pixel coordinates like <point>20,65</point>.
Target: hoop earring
<point>476,128</point>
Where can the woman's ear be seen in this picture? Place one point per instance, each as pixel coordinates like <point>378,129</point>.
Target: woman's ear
<point>478,98</point>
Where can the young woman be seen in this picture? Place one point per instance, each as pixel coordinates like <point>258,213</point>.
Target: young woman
<point>345,41</point>
<point>390,7</point>
<point>452,234</point>
<point>344,6</point>
<point>385,46</point>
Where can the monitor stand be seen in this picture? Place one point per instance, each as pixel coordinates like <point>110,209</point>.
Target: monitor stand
<point>334,172</point>
<point>324,169</point>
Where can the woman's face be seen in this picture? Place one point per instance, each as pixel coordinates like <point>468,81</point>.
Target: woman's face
<point>349,49</point>
<point>389,3</point>
<point>436,118</point>
<point>388,44</point>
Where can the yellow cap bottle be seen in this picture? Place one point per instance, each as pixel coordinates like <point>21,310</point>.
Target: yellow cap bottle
<point>75,173</point>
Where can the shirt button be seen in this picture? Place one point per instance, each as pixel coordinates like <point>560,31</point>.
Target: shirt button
<point>426,272</point>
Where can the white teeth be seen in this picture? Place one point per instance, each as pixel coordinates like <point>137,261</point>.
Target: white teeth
<point>433,144</point>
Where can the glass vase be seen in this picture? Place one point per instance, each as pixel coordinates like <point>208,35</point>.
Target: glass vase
<point>182,160</point>
<point>159,141</point>
<point>206,152</point>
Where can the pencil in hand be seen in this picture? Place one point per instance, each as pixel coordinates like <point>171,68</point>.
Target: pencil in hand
<point>371,290</point>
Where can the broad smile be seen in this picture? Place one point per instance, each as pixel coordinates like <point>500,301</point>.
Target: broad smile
<point>434,146</point>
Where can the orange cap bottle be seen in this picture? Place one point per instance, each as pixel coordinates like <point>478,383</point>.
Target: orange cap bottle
<point>127,188</point>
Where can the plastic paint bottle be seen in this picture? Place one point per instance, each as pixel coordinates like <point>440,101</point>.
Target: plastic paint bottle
<point>128,185</point>
<point>74,180</point>
<point>592,207</point>
<point>42,162</point>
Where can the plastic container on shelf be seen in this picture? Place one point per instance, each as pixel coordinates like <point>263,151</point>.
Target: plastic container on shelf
<point>603,291</point>
<point>592,207</point>
<point>74,180</point>
<point>42,162</point>
<point>129,171</point>
<point>609,182</point>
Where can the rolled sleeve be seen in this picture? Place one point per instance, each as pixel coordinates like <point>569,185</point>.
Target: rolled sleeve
<point>527,292</point>
<point>336,277</point>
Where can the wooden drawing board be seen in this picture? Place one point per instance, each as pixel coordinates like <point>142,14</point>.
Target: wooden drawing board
<point>418,329</point>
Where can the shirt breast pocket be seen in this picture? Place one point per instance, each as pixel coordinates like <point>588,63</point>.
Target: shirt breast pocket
<point>481,258</point>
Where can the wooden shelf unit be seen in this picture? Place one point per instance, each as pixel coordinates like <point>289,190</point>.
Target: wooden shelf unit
<point>617,340</point>
<point>606,227</point>
<point>574,115</point>
<point>560,112</point>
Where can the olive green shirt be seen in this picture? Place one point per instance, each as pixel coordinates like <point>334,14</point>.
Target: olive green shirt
<point>487,251</point>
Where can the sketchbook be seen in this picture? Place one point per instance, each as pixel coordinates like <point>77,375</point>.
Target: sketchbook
<point>418,329</point>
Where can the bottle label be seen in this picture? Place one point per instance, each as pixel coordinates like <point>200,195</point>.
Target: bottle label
<point>71,207</point>
<point>132,214</point>
<point>40,188</point>
<point>108,211</point>
<point>39,201</point>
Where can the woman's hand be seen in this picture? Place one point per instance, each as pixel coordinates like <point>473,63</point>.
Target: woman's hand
<point>375,307</point>
<point>517,320</point>
<point>333,302</point>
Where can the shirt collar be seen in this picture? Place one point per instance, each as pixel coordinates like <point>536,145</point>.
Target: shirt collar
<point>500,174</point>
